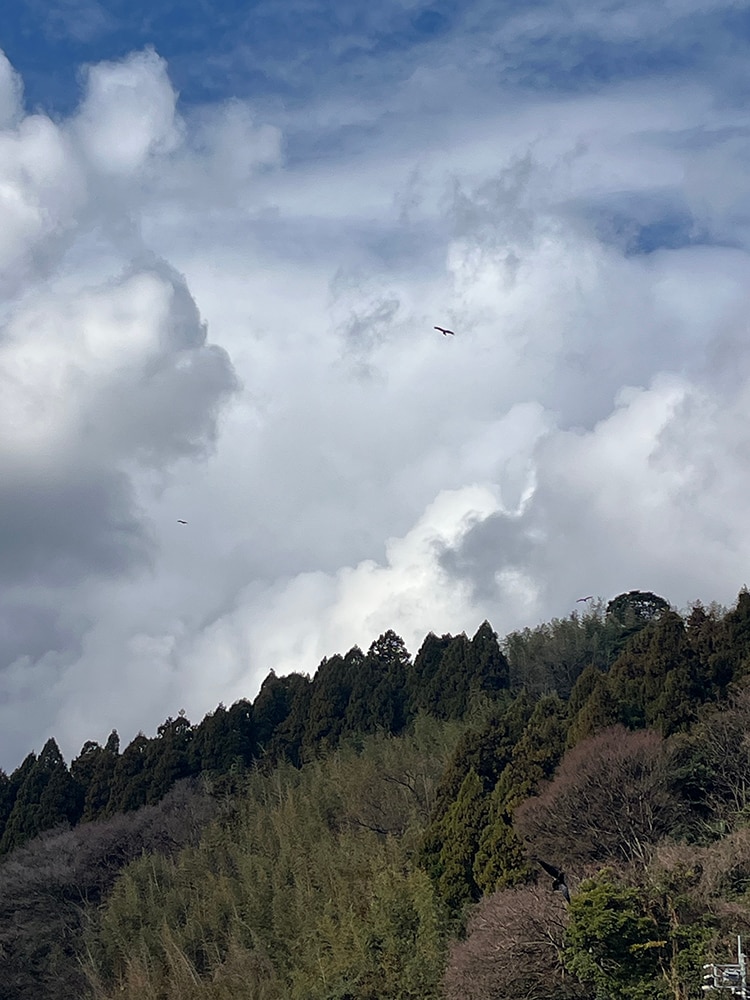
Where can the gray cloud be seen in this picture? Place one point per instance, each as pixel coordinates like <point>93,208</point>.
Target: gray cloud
<point>63,524</point>
<point>106,376</point>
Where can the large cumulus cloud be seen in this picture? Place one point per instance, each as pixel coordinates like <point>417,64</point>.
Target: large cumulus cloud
<point>107,374</point>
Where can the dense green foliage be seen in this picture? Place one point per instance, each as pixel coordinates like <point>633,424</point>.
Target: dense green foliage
<point>310,890</point>
<point>372,831</point>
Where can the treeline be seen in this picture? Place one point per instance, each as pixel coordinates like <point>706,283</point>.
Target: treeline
<point>667,669</point>
<point>372,831</point>
<point>291,718</point>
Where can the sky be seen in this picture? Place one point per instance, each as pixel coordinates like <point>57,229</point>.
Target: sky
<point>226,234</point>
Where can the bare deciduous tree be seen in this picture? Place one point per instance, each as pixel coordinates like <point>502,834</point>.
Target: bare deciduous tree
<point>512,951</point>
<point>610,800</point>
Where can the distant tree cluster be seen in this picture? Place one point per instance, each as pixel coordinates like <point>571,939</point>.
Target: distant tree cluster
<point>292,718</point>
<point>376,831</point>
<point>51,889</point>
<point>662,669</point>
<point>311,891</point>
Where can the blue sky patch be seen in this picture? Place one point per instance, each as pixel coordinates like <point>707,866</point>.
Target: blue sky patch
<point>642,224</point>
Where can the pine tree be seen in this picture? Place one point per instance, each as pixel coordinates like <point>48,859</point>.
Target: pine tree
<point>289,734</point>
<point>273,704</point>
<point>422,691</point>
<point>131,778</point>
<point>7,798</point>
<point>378,695</point>
<point>224,739</point>
<point>489,667</point>
<point>331,691</point>
<point>169,757</point>
<point>99,780</point>
<point>47,797</point>
<point>460,833</point>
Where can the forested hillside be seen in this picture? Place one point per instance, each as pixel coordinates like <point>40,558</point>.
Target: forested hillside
<point>372,831</point>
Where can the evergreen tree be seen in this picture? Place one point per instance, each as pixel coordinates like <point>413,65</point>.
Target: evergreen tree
<point>636,609</point>
<point>11,790</point>
<point>378,695</point>
<point>617,942</point>
<point>584,687</point>
<point>490,670</point>
<point>496,769</point>
<point>500,859</point>
<point>598,711</point>
<point>7,798</point>
<point>657,680</point>
<point>169,757</point>
<point>329,698</point>
<point>273,704</point>
<point>289,734</point>
<point>224,739</point>
<point>539,750</point>
<point>99,776</point>
<point>732,657</point>
<point>393,660</point>
<point>47,797</point>
<point>131,778</point>
<point>240,742</point>
<point>83,767</point>
<point>628,614</point>
<point>422,691</point>
<point>452,868</point>
<point>449,671</point>
<point>487,752</point>
<point>450,687</point>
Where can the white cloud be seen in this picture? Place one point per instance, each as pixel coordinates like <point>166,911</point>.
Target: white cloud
<point>11,93</point>
<point>290,625</point>
<point>122,367</point>
<point>128,114</point>
<point>41,189</point>
<point>294,626</point>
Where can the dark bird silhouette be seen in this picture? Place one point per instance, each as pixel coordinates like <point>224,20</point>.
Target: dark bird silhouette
<point>559,883</point>
<point>445,332</point>
<point>181,522</point>
<point>589,598</point>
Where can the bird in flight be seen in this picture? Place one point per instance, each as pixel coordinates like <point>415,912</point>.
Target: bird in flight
<point>589,598</point>
<point>181,522</point>
<point>559,883</point>
<point>444,331</point>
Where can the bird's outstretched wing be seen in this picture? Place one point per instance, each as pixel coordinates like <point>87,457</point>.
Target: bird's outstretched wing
<point>181,522</point>
<point>551,870</point>
<point>559,884</point>
<point>563,889</point>
<point>444,331</point>
<point>589,598</point>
